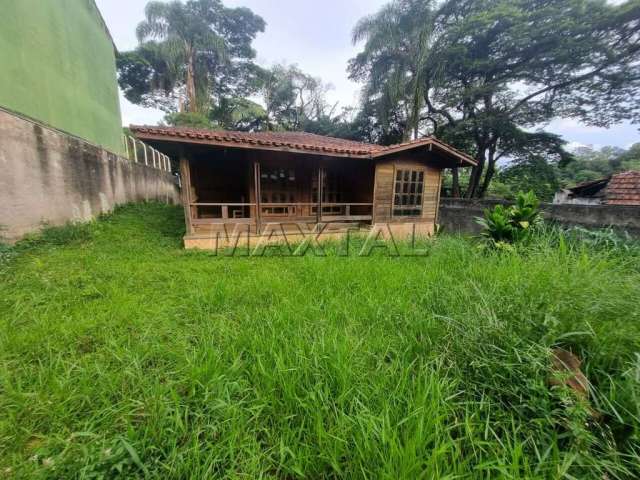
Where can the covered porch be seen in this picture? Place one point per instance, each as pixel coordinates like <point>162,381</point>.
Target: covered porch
<point>230,187</point>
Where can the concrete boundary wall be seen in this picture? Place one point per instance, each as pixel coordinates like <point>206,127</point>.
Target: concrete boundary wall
<point>458,215</point>
<point>50,178</point>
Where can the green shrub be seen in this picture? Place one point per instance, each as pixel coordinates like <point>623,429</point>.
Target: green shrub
<point>504,226</point>
<point>6,253</point>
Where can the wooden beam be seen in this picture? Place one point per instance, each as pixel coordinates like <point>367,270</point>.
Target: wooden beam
<point>320,192</point>
<point>222,221</point>
<point>438,199</point>
<point>346,218</point>
<point>375,192</point>
<point>258,195</point>
<point>185,175</point>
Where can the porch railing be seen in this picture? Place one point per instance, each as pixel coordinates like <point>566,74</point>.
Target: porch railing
<point>287,209</point>
<point>352,212</point>
<point>212,213</point>
<point>220,213</point>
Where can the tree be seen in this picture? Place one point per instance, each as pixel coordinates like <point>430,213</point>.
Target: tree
<point>188,119</point>
<point>196,52</point>
<point>630,160</point>
<point>343,125</point>
<point>393,61</point>
<point>238,114</point>
<point>149,77</point>
<point>589,164</point>
<point>491,70</point>
<point>292,98</point>
<point>534,173</point>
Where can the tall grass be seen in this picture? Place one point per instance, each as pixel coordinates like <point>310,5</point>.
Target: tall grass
<point>124,356</point>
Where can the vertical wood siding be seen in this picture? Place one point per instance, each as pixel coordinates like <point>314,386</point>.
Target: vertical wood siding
<point>385,190</point>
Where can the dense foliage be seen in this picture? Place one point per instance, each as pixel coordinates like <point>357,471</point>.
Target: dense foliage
<point>534,173</point>
<point>190,55</point>
<point>545,177</point>
<point>590,164</point>
<point>504,226</point>
<point>482,73</point>
<point>123,356</point>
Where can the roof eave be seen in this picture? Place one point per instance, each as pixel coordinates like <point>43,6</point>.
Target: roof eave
<point>247,146</point>
<point>461,157</point>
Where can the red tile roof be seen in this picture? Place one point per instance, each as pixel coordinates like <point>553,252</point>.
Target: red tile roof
<point>290,141</point>
<point>624,189</point>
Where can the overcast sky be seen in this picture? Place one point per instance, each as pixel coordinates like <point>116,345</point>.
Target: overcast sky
<point>316,35</point>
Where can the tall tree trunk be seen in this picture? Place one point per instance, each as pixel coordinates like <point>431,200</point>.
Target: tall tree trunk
<point>491,170</point>
<point>476,174</point>
<point>191,82</point>
<point>455,189</point>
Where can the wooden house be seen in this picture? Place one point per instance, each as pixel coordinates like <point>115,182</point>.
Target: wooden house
<point>256,180</point>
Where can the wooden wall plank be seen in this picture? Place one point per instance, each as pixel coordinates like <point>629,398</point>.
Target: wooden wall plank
<point>385,188</point>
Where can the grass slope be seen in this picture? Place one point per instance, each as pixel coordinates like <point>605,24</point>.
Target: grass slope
<point>123,356</point>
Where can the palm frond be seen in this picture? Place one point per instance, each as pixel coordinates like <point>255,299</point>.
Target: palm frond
<point>156,24</point>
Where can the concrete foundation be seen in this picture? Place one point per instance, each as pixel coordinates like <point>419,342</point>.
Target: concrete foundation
<point>220,240</point>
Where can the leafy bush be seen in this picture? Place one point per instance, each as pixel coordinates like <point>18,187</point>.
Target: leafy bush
<point>505,226</point>
<point>6,253</point>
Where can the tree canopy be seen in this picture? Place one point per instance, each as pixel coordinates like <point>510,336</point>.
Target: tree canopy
<point>195,62</point>
<point>484,74</point>
<point>545,177</point>
<point>191,55</point>
<point>592,164</point>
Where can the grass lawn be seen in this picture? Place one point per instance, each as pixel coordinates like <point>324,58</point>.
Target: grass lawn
<point>124,356</point>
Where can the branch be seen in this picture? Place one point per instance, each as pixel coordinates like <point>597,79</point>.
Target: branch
<point>432,109</point>
<point>571,81</point>
<point>557,86</point>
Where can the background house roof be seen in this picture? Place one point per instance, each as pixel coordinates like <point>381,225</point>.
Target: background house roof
<point>624,189</point>
<point>620,189</point>
<point>593,188</point>
<point>293,142</point>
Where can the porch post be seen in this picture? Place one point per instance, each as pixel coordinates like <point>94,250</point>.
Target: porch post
<point>320,192</point>
<point>258,196</point>
<point>185,176</point>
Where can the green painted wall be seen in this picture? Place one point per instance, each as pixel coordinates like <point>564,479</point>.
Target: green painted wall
<point>57,65</point>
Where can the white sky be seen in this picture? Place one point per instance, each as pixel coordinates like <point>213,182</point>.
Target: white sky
<point>316,35</point>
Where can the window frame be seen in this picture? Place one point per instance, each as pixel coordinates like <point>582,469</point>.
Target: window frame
<point>403,177</point>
